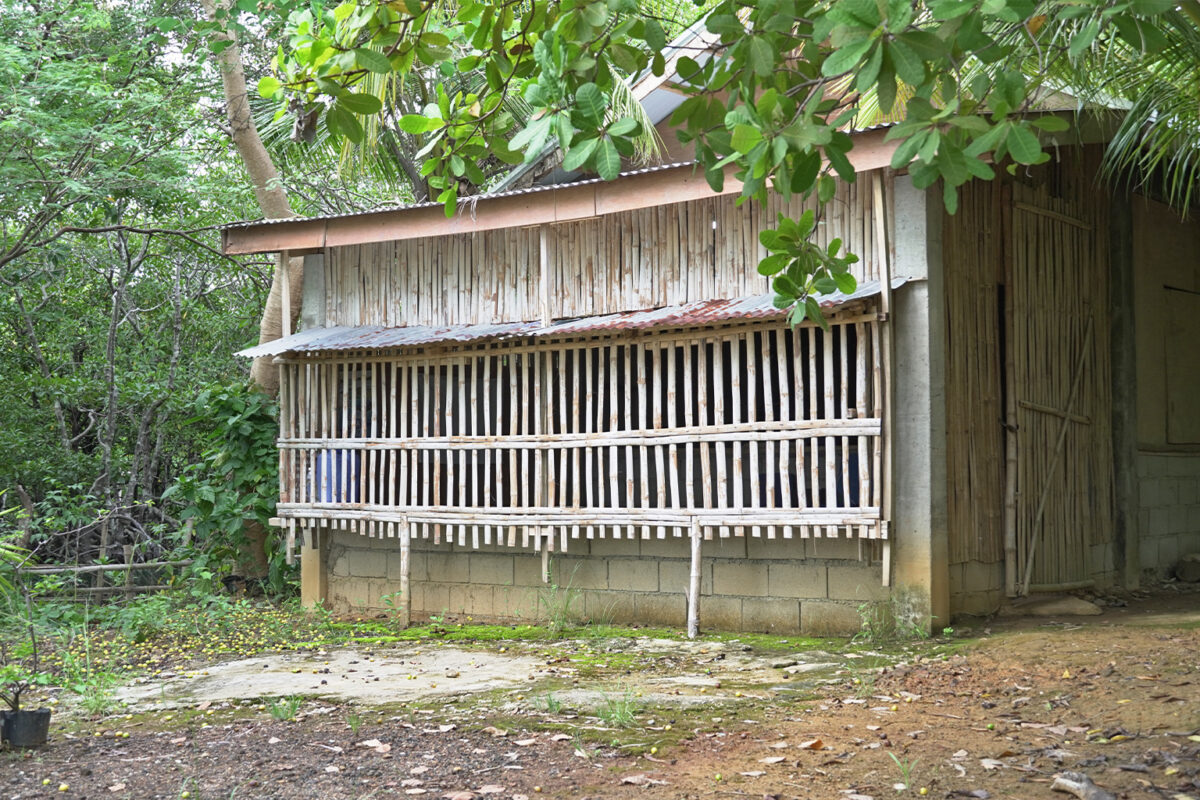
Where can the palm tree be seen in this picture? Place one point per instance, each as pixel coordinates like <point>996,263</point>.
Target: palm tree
<point>1158,137</point>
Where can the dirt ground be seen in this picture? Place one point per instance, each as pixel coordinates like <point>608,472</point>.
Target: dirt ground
<point>997,712</point>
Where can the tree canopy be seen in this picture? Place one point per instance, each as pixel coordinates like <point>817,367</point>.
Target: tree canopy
<point>775,86</point>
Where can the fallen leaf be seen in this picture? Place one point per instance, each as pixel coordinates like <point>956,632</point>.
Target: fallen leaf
<point>416,791</point>
<point>771,760</point>
<point>332,768</point>
<point>991,763</point>
<point>417,770</point>
<point>642,780</point>
<point>204,705</point>
<point>116,787</point>
<point>492,730</point>
<point>811,744</point>
<point>370,743</point>
<point>411,782</point>
<point>559,737</point>
<point>491,788</point>
<point>524,742</point>
<point>754,773</point>
<point>459,795</point>
<point>777,745</point>
<point>446,728</point>
<point>274,740</point>
<point>179,740</point>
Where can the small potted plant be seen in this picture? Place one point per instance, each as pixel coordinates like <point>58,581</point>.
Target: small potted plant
<point>22,727</point>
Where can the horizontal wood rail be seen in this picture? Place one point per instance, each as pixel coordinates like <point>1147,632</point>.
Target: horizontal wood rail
<point>747,432</point>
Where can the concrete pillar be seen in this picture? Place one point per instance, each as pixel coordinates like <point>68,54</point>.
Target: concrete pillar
<point>1126,535</point>
<point>314,576</point>
<point>920,552</point>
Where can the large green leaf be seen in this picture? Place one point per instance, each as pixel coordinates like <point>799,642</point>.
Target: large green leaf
<point>359,103</point>
<point>608,161</point>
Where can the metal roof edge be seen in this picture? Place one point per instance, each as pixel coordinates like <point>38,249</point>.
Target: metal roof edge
<point>695,314</point>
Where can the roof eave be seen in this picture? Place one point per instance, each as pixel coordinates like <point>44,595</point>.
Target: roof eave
<point>557,204</point>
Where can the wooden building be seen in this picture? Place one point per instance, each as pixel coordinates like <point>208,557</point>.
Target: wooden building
<point>586,387</point>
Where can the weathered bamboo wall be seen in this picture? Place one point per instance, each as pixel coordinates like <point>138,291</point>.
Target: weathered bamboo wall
<point>1060,374</point>
<point>1028,397</point>
<point>646,258</point>
<point>973,253</point>
<point>750,429</point>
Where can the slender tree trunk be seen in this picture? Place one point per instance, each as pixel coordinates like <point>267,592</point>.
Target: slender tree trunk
<point>35,347</point>
<point>273,202</point>
<point>268,191</point>
<point>128,265</point>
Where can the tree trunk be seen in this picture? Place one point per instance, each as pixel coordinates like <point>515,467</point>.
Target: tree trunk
<point>273,201</point>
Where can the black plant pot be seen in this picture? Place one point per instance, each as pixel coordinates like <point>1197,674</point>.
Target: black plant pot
<point>26,728</point>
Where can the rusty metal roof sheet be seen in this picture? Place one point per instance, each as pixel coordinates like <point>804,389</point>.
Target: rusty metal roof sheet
<point>463,202</point>
<point>704,312</point>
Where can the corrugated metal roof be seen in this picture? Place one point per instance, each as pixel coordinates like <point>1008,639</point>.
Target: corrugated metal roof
<point>463,203</point>
<point>704,312</point>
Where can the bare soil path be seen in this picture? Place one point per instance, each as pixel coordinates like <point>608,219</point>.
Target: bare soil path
<point>1115,696</point>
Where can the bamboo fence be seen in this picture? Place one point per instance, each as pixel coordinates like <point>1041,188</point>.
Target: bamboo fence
<point>755,429</point>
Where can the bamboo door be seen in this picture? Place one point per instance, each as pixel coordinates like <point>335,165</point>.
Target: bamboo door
<point>1059,398</point>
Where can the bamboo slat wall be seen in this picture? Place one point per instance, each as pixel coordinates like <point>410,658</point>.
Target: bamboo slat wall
<point>751,429</point>
<point>973,255</point>
<point>1027,371</point>
<point>665,255</point>
<point>1060,372</point>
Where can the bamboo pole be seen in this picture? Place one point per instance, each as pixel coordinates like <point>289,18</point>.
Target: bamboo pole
<point>885,330</point>
<point>128,550</point>
<point>405,568</point>
<point>693,620</point>
<point>100,568</point>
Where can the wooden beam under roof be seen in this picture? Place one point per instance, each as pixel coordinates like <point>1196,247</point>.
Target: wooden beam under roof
<point>551,205</point>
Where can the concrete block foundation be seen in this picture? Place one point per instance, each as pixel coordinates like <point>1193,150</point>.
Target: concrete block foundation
<point>775,586</point>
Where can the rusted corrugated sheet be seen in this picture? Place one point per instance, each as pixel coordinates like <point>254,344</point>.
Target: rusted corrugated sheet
<point>464,203</point>
<point>706,312</point>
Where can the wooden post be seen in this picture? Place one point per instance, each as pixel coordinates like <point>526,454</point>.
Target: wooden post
<point>405,584</point>
<point>693,610</point>
<point>885,333</point>
<point>128,572</point>
<point>312,566</point>
<point>544,308</point>
<point>98,582</point>
<point>285,288</point>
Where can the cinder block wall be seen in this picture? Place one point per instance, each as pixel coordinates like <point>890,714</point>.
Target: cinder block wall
<point>1168,509</point>
<point>812,586</point>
